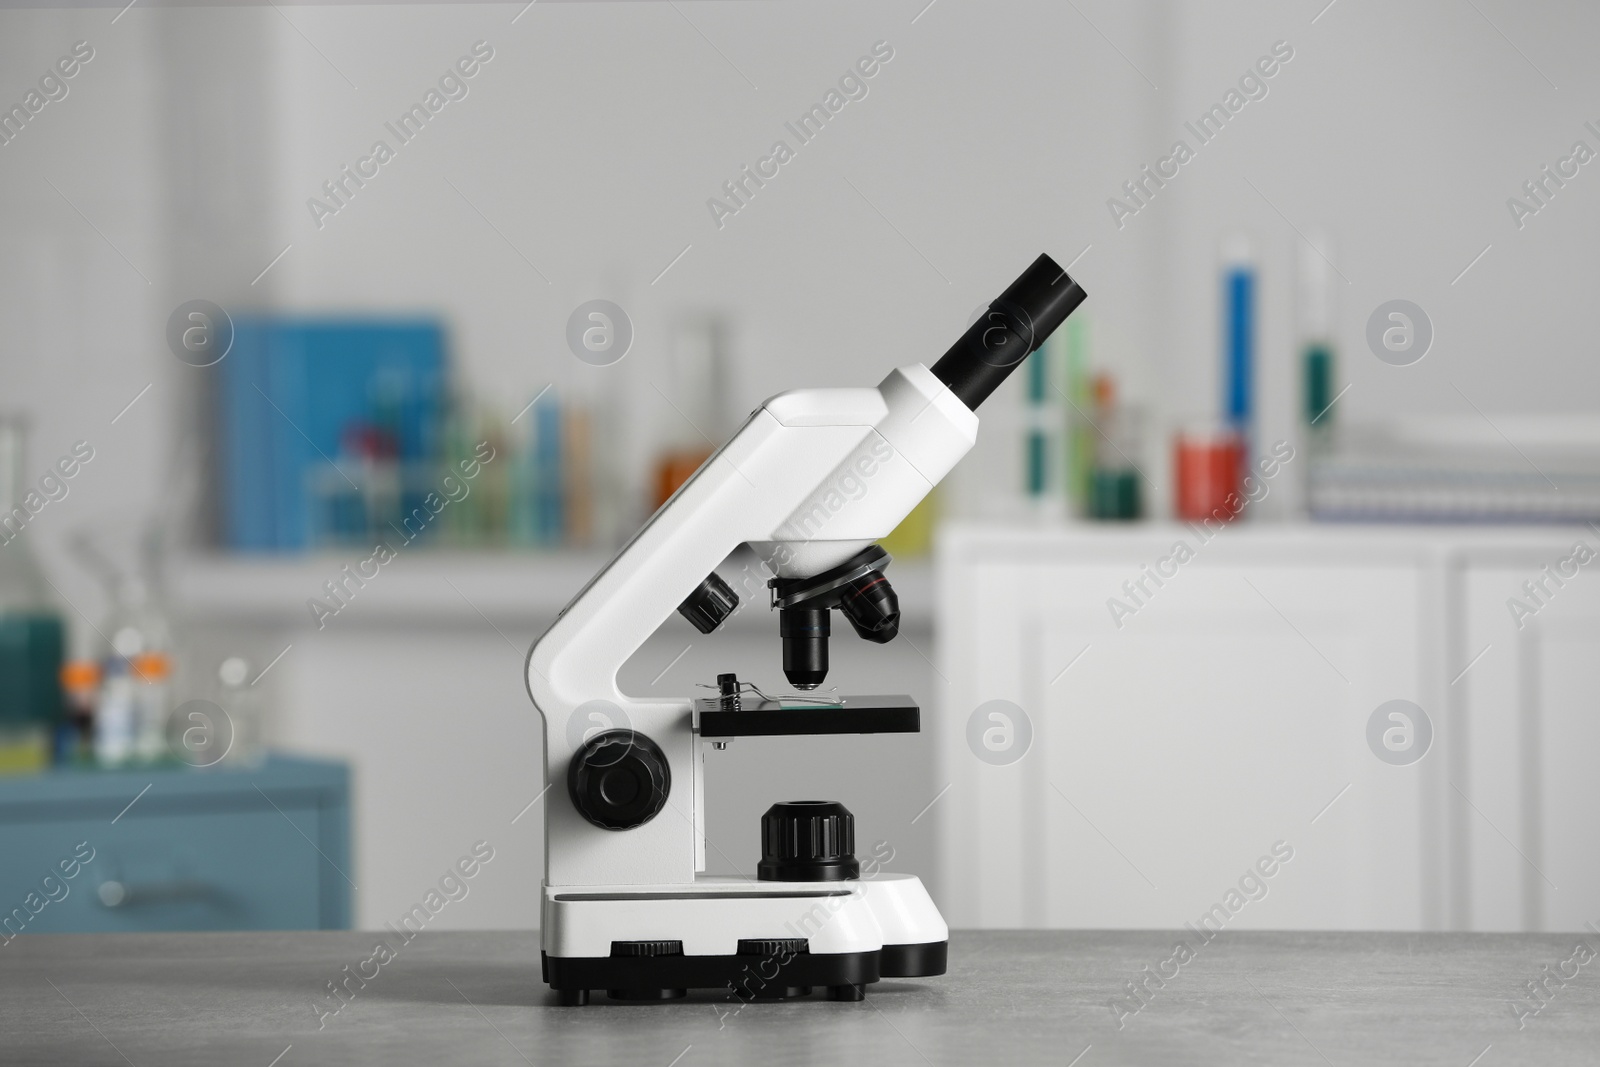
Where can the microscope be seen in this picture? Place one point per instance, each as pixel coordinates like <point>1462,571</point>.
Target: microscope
<point>810,482</point>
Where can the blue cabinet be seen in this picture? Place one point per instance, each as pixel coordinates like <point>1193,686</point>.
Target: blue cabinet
<point>177,849</point>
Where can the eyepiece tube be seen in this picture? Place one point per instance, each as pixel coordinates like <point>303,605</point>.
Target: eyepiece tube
<point>1015,324</point>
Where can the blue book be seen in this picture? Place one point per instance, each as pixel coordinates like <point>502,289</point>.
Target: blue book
<point>294,392</point>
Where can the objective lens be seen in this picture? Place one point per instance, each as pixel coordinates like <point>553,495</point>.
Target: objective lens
<point>872,607</point>
<point>805,645</point>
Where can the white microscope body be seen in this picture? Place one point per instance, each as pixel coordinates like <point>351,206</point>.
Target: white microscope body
<point>811,480</point>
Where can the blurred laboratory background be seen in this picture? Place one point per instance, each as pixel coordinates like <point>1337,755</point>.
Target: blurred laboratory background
<point>1283,540</point>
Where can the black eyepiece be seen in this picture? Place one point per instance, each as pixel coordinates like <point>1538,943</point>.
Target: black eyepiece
<point>1015,325</point>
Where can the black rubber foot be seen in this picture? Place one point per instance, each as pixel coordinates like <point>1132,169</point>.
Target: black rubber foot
<point>854,991</point>
<point>572,998</point>
<point>647,994</point>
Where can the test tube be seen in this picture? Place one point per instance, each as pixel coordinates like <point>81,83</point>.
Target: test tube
<point>1238,334</point>
<point>1316,305</point>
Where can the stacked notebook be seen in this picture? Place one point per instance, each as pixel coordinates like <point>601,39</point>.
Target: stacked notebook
<point>1502,469</point>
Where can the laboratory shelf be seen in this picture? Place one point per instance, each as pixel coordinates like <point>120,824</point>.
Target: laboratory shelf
<point>431,587</point>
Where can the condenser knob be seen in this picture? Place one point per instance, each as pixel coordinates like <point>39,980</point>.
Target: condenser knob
<point>808,841</point>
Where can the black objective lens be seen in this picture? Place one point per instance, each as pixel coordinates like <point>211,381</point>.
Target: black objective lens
<point>805,645</point>
<point>856,587</point>
<point>872,607</point>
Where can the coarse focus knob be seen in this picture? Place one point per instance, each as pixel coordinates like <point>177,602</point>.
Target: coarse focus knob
<point>808,841</point>
<point>619,779</point>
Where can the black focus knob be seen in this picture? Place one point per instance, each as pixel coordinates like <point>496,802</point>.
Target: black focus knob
<point>808,841</point>
<point>619,779</point>
<point>712,601</point>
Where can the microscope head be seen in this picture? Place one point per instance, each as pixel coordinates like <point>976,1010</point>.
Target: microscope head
<point>1014,326</point>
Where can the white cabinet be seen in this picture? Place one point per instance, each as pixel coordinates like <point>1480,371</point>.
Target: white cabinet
<point>1224,707</point>
<point>1532,710</point>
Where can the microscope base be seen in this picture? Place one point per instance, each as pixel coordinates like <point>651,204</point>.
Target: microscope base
<point>747,977</point>
<point>654,943</point>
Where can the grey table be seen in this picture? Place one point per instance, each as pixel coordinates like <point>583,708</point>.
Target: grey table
<point>1010,997</point>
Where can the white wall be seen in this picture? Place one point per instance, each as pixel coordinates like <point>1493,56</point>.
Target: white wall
<point>595,136</point>
<point>81,269</point>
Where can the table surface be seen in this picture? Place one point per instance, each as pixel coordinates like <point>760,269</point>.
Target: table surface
<point>1011,997</point>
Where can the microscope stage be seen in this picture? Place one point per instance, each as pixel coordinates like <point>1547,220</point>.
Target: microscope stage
<point>892,714</point>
